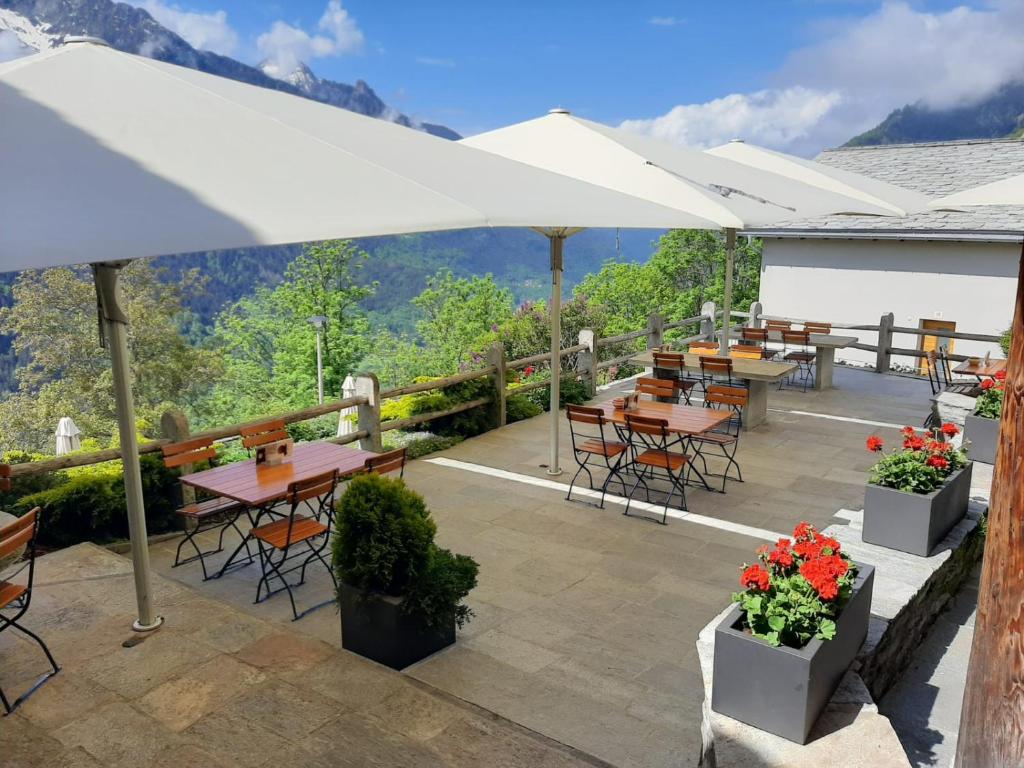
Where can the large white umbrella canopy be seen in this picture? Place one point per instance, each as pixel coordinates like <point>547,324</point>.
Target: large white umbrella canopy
<point>345,424</point>
<point>708,192</point>
<point>1009,191</point>
<point>896,200</point>
<point>108,156</point>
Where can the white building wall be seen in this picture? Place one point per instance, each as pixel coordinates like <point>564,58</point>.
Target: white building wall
<point>857,281</point>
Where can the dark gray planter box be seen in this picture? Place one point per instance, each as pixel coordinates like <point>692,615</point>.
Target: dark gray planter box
<point>783,690</point>
<point>915,522</point>
<point>379,629</point>
<point>984,436</point>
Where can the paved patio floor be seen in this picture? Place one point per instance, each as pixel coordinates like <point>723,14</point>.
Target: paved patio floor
<point>215,688</point>
<point>586,620</point>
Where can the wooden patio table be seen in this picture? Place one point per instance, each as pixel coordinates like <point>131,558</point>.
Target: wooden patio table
<point>260,487</point>
<point>759,374</point>
<point>825,346</point>
<point>981,369</point>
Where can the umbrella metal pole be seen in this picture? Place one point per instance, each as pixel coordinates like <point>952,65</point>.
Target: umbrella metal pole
<point>319,370</point>
<point>557,242</point>
<point>115,332</point>
<point>730,255</point>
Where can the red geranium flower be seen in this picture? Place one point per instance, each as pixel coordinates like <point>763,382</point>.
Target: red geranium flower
<point>755,577</point>
<point>987,384</point>
<point>827,542</point>
<point>915,443</point>
<point>781,557</point>
<point>803,531</point>
<point>875,444</point>
<point>1000,375</point>
<point>827,589</point>
<point>807,549</point>
<point>950,430</point>
<point>938,462</point>
<point>528,370</point>
<point>909,431</point>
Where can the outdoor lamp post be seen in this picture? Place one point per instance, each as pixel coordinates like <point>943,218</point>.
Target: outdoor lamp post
<point>318,322</point>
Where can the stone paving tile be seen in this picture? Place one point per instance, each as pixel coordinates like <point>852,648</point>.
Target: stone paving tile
<point>117,735</point>
<point>287,710</point>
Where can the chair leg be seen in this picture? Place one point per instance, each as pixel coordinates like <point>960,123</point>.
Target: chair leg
<point>55,668</point>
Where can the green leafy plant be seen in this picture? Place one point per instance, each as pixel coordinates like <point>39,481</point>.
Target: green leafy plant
<point>385,545</point>
<point>571,390</point>
<point>1004,341</point>
<point>797,589</point>
<point>520,407</point>
<point>922,464</point>
<point>989,404</point>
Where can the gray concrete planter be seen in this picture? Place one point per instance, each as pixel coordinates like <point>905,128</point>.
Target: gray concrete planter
<point>783,690</point>
<point>915,522</point>
<point>984,436</point>
<point>379,629</point>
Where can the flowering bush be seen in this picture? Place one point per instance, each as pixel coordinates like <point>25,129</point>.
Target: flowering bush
<point>923,463</point>
<point>989,404</point>
<point>797,589</point>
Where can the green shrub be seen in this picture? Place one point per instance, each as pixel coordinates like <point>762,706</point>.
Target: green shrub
<point>385,545</point>
<point>27,484</point>
<point>464,424</point>
<point>520,407</point>
<point>90,505</point>
<point>320,428</point>
<point>571,390</point>
<point>1004,341</point>
<point>418,444</point>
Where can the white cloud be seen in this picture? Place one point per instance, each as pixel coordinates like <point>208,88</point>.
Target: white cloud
<point>430,61</point>
<point>860,70</point>
<point>285,46</point>
<point>665,21</point>
<point>205,31</point>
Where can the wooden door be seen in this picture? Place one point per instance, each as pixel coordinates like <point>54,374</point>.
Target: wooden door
<point>928,343</point>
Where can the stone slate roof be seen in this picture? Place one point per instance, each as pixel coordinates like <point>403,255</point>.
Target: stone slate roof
<point>935,169</point>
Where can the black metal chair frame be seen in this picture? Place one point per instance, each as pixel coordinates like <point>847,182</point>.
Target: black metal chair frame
<point>579,414</point>
<point>796,345</point>
<point>948,383</point>
<point>227,514</point>
<point>320,506</point>
<point>21,604</point>
<point>652,436</point>
<point>725,437</point>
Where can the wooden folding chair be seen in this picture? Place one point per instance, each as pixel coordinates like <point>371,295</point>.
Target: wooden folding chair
<point>717,370</point>
<point>260,434</point>
<point>971,388</point>
<point>280,542</point>
<point>675,363</point>
<point>777,325</point>
<point>657,388</point>
<point>746,352</point>
<point>383,463</point>
<point>700,347</point>
<point>206,514</point>
<point>20,536</point>
<point>589,441</point>
<point>653,458</point>
<point>798,345</point>
<point>814,327</point>
<point>726,437</point>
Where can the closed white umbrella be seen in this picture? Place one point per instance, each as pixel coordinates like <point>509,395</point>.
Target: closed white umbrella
<point>706,191</point>
<point>109,156</point>
<point>68,436</point>
<point>345,425</point>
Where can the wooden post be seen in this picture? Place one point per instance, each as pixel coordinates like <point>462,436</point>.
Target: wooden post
<point>707,325</point>
<point>175,427</point>
<point>756,310</point>
<point>655,330</point>
<point>496,358</point>
<point>883,357</point>
<point>586,361</point>
<point>992,717</point>
<point>369,412</point>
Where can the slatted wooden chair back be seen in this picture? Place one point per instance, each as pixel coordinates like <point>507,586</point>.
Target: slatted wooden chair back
<point>697,346</point>
<point>5,477</point>
<point>656,387</point>
<point>19,534</point>
<point>584,414</point>
<point>186,452</point>
<point>716,366</point>
<point>813,327</point>
<point>719,394</point>
<point>647,425</point>
<point>261,434</point>
<point>945,370</point>
<point>383,463</point>
<point>796,338</point>
<point>778,325</point>
<point>746,352</point>
<point>669,361</point>
<point>316,487</point>
<point>755,334</point>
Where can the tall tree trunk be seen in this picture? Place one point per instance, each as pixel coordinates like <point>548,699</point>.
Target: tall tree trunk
<point>992,719</point>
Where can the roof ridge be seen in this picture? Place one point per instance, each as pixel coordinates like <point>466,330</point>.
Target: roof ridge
<point>914,144</point>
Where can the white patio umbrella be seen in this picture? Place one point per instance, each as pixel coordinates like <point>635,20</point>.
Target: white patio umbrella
<point>1009,191</point>
<point>345,425</point>
<point>108,157</point>
<point>707,192</point>
<point>68,436</point>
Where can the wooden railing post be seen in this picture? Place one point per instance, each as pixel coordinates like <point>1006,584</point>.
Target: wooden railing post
<point>655,330</point>
<point>586,360</point>
<point>496,358</point>
<point>707,324</point>
<point>756,310</point>
<point>368,386</point>
<point>883,357</point>
<point>175,427</point>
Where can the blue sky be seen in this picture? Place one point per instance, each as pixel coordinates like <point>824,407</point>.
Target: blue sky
<point>795,74</point>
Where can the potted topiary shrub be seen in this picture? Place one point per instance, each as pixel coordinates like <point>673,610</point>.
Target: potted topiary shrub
<point>981,429</point>
<point>400,595</point>
<point>917,494</point>
<point>781,652</point>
